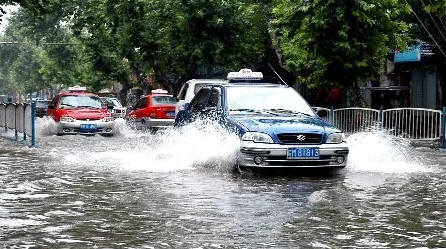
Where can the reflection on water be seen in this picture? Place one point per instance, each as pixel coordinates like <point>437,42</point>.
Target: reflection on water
<point>175,189</point>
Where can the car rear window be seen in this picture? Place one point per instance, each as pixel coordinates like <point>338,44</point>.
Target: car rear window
<point>163,100</point>
<point>113,102</point>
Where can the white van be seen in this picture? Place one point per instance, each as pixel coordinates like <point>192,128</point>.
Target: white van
<point>190,88</point>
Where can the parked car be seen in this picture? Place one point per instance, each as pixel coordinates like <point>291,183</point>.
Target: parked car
<point>41,107</point>
<point>153,111</point>
<point>118,110</point>
<point>77,111</point>
<point>276,126</point>
<point>190,88</point>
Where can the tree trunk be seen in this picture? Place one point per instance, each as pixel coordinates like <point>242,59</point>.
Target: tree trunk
<point>126,86</point>
<point>161,78</point>
<point>355,95</point>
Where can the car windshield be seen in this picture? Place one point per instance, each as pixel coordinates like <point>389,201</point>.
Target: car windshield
<point>43,104</point>
<point>112,101</point>
<point>266,98</point>
<point>163,100</point>
<point>75,101</point>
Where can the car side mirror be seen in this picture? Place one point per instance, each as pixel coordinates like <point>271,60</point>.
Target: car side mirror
<point>186,106</point>
<point>50,107</point>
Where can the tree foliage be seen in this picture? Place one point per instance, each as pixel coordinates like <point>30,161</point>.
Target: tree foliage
<point>328,42</point>
<point>318,42</point>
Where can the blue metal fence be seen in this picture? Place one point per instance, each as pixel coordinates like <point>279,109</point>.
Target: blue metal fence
<point>21,119</point>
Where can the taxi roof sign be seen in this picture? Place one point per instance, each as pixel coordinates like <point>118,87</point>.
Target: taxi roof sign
<point>245,74</point>
<point>77,88</point>
<point>159,91</point>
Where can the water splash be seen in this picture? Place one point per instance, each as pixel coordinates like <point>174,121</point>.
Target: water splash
<point>378,151</point>
<point>45,126</point>
<point>198,145</point>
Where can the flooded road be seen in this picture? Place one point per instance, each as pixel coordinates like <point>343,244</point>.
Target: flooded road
<point>177,190</point>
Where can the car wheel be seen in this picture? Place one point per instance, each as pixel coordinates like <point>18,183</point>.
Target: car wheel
<point>143,127</point>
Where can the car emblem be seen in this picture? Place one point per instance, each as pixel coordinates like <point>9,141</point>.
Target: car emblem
<point>300,137</point>
<point>88,119</point>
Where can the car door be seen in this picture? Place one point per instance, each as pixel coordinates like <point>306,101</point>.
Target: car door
<point>137,114</point>
<point>214,109</point>
<point>52,109</point>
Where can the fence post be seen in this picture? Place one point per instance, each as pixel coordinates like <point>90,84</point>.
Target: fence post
<point>332,118</point>
<point>24,122</point>
<point>6,125</point>
<point>16,133</point>
<point>380,117</point>
<point>443,128</point>
<point>33,124</point>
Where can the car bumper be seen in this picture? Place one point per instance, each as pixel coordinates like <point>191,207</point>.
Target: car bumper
<point>159,122</point>
<point>105,128</point>
<point>259,155</point>
<point>118,115</point>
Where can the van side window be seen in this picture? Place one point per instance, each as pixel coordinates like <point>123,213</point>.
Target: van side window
<point>182,95</point>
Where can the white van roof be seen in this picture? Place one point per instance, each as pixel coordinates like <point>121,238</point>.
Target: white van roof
<point>208,81</point>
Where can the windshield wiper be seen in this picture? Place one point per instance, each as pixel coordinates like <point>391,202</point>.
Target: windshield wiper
<point>245,110</point>
<point>289,111</point>
<point>86,106</point>
<point>66,105</point>
<point>262,111</point>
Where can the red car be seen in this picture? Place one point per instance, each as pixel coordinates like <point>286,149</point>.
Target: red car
<point>153,111</point>
<point>77,111</point>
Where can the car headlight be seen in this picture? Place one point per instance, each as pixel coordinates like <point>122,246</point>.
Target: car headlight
<point>67,119</point>
<point>107,119</point>
<point>336,138</point>
<point>257,137</point>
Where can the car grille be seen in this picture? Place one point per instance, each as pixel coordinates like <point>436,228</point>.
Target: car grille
<point>98,130</point>
<point>88,119</point>
<point>283,161</point>
<point>300,138</point>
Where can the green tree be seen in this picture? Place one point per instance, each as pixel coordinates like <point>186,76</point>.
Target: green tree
<point>47,55</point>
<point>327,42</point>
<point>169,39</point>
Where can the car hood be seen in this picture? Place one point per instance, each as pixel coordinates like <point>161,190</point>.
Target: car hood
<point>86,113</point>
<point>285,124</point>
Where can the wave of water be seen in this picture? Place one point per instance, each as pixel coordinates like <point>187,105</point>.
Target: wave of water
<point>203,144</point>
<point>378,151</point>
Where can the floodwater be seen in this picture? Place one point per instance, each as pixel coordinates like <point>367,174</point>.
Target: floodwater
<point>177,190</point>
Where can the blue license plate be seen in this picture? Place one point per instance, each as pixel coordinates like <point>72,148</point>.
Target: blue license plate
<point>302,153</point>
<point>170,114</point>
<point>88,127</point>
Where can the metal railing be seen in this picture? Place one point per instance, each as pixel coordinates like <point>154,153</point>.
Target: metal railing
<point>411,123</point>
<point>21,119</point>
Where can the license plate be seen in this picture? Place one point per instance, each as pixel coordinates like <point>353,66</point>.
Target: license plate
<point>88,127</point>
<point>170,114</point>
<point>302,153</point>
